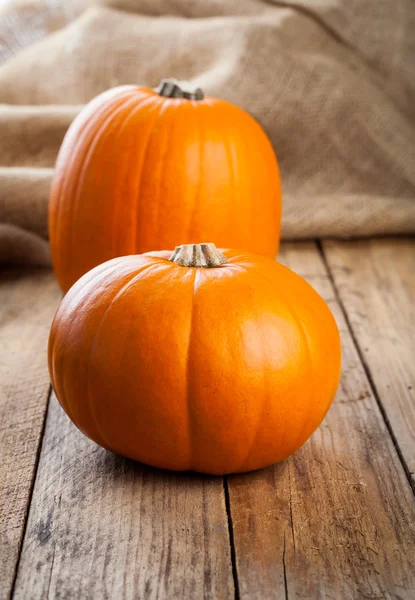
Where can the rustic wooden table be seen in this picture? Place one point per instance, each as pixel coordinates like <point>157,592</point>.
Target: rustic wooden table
<point>334,521</point>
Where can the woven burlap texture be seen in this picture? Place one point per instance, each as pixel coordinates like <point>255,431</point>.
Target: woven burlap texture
<point>331,81</point>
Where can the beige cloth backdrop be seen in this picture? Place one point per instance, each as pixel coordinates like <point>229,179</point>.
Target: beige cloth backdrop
<point>331,81</point>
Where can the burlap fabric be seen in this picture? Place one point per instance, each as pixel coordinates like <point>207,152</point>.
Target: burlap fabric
<point>331,81</point>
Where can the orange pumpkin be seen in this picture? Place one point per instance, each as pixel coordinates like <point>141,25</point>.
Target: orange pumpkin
<point>200,361</point>
<point>143,169</point>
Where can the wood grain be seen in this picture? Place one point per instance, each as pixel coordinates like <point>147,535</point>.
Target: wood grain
<point>28,300</point>
<point>375,280</point>
<point>104,527</point>
<point>337,519</point>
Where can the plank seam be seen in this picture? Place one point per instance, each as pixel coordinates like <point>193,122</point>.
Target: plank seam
<point>366,368</point>
<point>32,487</point>
<point>291,508</point>
<point>285,570</point>
<point>231,538</point>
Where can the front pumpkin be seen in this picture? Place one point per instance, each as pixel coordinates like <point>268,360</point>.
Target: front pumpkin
<point>143,169</point>
<point>202,361</point>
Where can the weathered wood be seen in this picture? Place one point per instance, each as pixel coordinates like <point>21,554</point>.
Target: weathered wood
<point>376,284</point>
<point>104,527</point>
<point>28,300</point>
<point>336,520</point>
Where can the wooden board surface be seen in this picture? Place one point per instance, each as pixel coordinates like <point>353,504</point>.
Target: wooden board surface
<point>334,521</point>
<point>376,284</point>
<point>28,300</point>
<point>337,519</point>
<point>104,527</point>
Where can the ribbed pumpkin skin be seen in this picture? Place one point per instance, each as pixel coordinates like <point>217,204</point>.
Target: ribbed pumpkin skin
<point>138,172</point>
<point>217,370</point>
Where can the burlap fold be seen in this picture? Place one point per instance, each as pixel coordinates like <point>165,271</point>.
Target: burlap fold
<point>332,83</point>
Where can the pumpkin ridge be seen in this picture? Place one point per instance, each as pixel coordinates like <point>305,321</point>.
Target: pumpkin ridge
<point>115,216</point>
<point>77,187</point>
<point>63,395</point>
<point>254,207</point>
<point>188,369</point>
<point>140,171</point>
<point>232,176</point>
<point>119,293</point>
<point>199,124</point>
<point>51,366</point>
<point>235,260</point>
<point>301,328</point>
<point>242,466</point>
<point>60,183</point>
<point>98,140</point>
<point>164,154</point>
<point>100,272</point>
<point>51,349</point>
<point>259,421</point>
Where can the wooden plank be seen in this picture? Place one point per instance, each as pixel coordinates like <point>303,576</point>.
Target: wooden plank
<point>104,527</point>
<point>336,520</point>
<point>375,280</point>
<point>28,300</point>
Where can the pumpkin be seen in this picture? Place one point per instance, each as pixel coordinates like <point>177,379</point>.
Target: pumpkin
<point>143,169</point>
<point>205,360</point>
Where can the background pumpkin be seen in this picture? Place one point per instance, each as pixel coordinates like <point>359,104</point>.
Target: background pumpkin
<point>141,170</point>
<point>220,369</point>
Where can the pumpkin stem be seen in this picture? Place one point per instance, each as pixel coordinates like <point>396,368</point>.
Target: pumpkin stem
<point>198,255</point>
<point>171,88</point>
